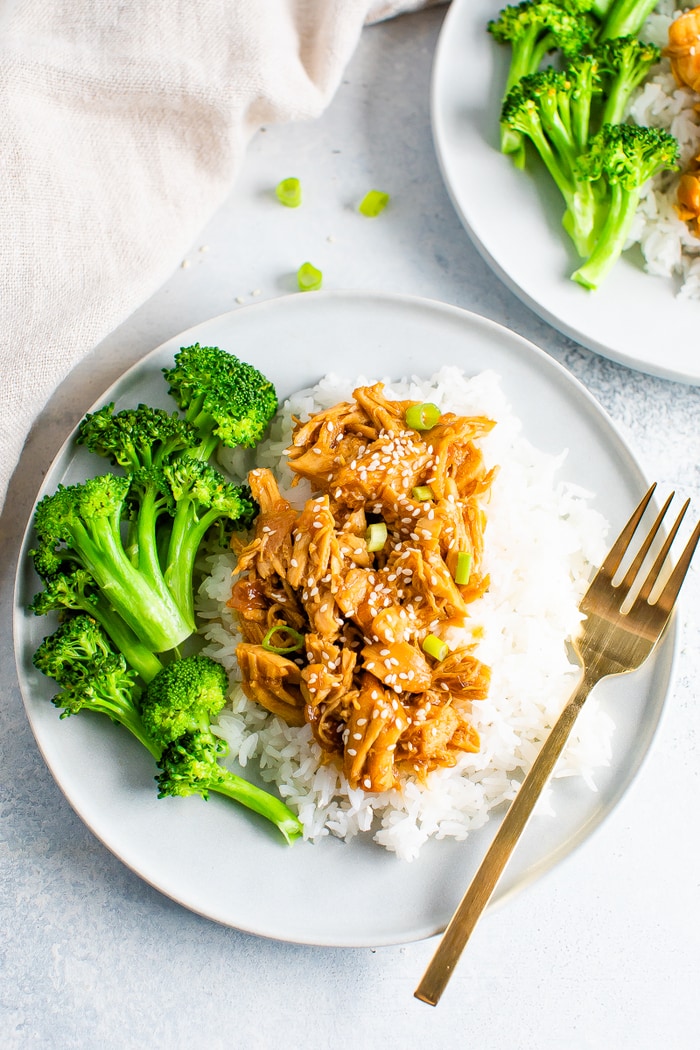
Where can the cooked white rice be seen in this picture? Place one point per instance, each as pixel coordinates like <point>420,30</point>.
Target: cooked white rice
<point>668,246</point>
<point>541,539</point>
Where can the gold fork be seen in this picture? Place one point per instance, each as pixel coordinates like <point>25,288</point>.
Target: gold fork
<point>621,628</point>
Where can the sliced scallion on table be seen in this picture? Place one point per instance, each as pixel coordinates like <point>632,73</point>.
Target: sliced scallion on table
<point>373,203</point>
<point>288,192</point>
<point>309,278</point>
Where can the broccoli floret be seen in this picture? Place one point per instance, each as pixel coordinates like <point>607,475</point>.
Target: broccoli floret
<point>141,440</point>
<point>134,438</point>
<point>228,401</point>
<point>137,535</point>
<point>80,526</point>
<point>550,108</point>
<point>621,159</point>
<point>625,62</point>
<point>76,591</point>
<point>92,675</point>
<point>202,498</point>
<point>532,29</point>
<point>623,17</point>
<point>177,709</point>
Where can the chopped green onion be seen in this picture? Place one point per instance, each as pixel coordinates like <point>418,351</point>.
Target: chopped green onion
<point>463,569</point>
<point>373,203</point>
<point>376,536</point>
<point>289,192</point>
<point>282,628</point>
<point>435,647</point>
<point>309,278</point>
<point>422,493</point>
<point>422,417</point>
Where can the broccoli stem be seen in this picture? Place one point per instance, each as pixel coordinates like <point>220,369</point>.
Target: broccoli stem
<point>142,660</point>
<point>149,611</point>
<point>580,215</point>
<point>527,54</point>
<point>612,239</point>
<point>626,18</point>
<point>185,540</point>
<point>146,553</point>
<point>260,801</point>
<point>197,415</point>
<point>118,711</point>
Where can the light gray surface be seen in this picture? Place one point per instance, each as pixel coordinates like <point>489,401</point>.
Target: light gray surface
<point>603,952</point>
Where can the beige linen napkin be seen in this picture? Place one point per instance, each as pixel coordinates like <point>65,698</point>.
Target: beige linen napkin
<point>123,125</point>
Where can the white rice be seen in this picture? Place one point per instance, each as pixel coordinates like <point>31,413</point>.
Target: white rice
<point>669,248</point>
<point>541,539</point>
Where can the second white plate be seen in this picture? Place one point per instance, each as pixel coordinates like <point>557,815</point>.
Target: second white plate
<point>514,218</point>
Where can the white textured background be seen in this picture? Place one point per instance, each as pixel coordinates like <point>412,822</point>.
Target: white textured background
<point>605,951</point>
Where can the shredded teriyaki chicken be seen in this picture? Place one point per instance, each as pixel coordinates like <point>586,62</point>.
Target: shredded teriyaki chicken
<point>359,652</point>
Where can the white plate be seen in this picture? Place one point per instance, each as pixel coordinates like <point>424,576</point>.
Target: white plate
<point>221,861</point>
<point>514,219</point>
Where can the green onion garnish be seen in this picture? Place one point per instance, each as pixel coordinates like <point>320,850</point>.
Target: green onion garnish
<point>422,417</point>
<point>375,536</point>
<point>309,278</point>
<point>289,192</point>
<point>435,647</point>
<point>463,569</point>
<point>422,493</point>
<point>373,203</point>
<point>281,628</point>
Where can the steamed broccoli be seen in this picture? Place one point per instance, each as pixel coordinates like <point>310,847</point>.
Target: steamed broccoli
<point>623,17</point>
<point>76,591</point>
<point>171,718</point>
<point>177,709</point>
<point>228,401</point>
<point>175,497</point>
<point>552,110</point>
<point>116,555</point>
<point>202,498</point>
<point>136,438</point>
<point>533,28</point>
<point>624,62</point>
<point>80,527</point>
<point>563,114</point>
<point>620,159</point>
<point>92,675</point>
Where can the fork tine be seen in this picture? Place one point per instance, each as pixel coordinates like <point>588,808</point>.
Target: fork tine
<point>655,571</point>
<point>633,571</point>
<point>617,551</point>
<point>673,585</point>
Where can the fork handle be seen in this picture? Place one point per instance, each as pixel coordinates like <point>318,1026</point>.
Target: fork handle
<point>491,868</point>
